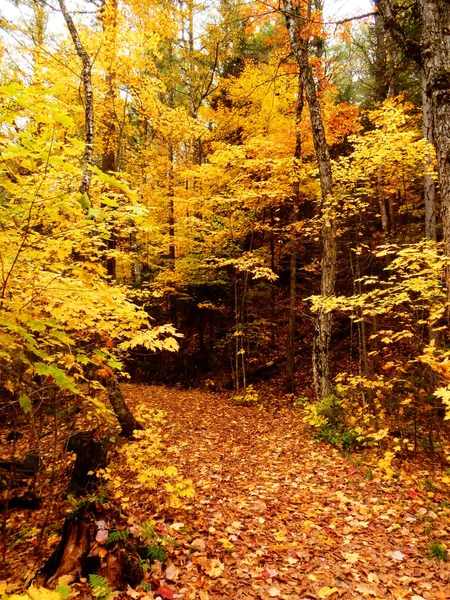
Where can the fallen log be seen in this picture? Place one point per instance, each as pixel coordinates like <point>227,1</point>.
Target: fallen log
<point>27,501</point>
<point>29,467</point>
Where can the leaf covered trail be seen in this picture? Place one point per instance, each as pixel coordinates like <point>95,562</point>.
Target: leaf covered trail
<point>277,514</point>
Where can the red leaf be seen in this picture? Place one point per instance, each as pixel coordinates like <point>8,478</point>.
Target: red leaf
<point>165,592</point>
<point>293,554</point>
<point>412,494</point>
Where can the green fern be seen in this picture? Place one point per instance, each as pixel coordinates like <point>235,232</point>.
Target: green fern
<point>64,591</point>
<point>168,540</point>
<point>156,552</point>
<point>118,536</point>
<point>100,587</point>
<point>148,530</point>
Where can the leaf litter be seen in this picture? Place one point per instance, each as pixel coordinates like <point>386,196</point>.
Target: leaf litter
<point>275,513</point>
<point>279,515</point>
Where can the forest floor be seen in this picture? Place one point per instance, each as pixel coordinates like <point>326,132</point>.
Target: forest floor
<point>277,514</point>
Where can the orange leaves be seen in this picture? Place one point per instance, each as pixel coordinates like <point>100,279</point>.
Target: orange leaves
<point>341,120</point>
<point>297,525</point>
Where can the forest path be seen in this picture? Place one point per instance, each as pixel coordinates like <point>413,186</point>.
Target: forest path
<point>277,514</point>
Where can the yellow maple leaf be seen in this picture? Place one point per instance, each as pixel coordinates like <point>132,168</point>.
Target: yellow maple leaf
<point>326,591</point>
<point>215,568</point>
<point>280,536</point>
<point>351,557</point>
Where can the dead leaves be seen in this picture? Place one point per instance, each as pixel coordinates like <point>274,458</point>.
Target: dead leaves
<point>214,568</point>
<point>277,516</point>
<point>326,592</point>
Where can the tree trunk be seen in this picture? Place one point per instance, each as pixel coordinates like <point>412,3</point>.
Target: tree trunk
<point>290,343</point>
<point>86,78</point>
<point>435,24</point>
<point>379,67</point>
<point>429,187</point>
<point>91,456</point>
<point>123,413</point>
<point>110,142</point>
<point>432,55</point>
<point>299,47</point>
<point>171,194</point>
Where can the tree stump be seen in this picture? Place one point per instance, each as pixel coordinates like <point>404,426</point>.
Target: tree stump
<point>84,549</point>
<point>91,456</point>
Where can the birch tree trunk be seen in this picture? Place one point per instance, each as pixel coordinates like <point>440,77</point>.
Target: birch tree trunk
<point>86,78</point>
<point>121,410</point>
<point>299,47</point>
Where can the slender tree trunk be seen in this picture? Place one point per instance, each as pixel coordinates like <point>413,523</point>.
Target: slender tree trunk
<point>38,34</point>
<point>429,193</point>
<point>86,78</point>
<point>171,194</point>
<point>429,187</point>
<point>299,47</point>
<point>110,150</point>
<point>379,67</point>
<point>290,345</point>
<point>435,55</point>
<point>124,415</point>
<point>171,189</point>
<point>121,410</point>
<point>272,287</point>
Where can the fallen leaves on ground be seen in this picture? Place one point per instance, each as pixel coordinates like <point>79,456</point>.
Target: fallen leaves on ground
<point>278,515</point>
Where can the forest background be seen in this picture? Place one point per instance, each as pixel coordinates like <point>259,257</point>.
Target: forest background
<point>211,195</point>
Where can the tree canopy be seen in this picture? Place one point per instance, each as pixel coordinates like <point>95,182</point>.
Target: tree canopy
<point>235,196</point>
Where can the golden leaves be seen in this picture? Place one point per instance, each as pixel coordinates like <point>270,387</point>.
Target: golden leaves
<point>214,568</point>
<point>326,592</point>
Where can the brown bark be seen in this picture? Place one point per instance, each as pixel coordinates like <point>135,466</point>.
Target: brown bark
<point>124,415</point>
<point>432,55</point>
<point>429,187</point>
<point>86,78</point>
<point>299,47</point>
<point>290,342</point>
<point>435,63</point>
<point>380,65</point>
<point>77,541</point>
<point>80,553</point>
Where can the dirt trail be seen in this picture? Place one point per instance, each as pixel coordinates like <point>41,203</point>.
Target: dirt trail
<point>277,514</point>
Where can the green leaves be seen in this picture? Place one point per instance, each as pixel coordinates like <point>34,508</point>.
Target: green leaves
<point>58,375</point>
<point>25,403</point>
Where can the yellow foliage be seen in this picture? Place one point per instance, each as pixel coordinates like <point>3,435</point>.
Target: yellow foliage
<point>142,465</point>
<point>35,593</point>
<point>385,464</point>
